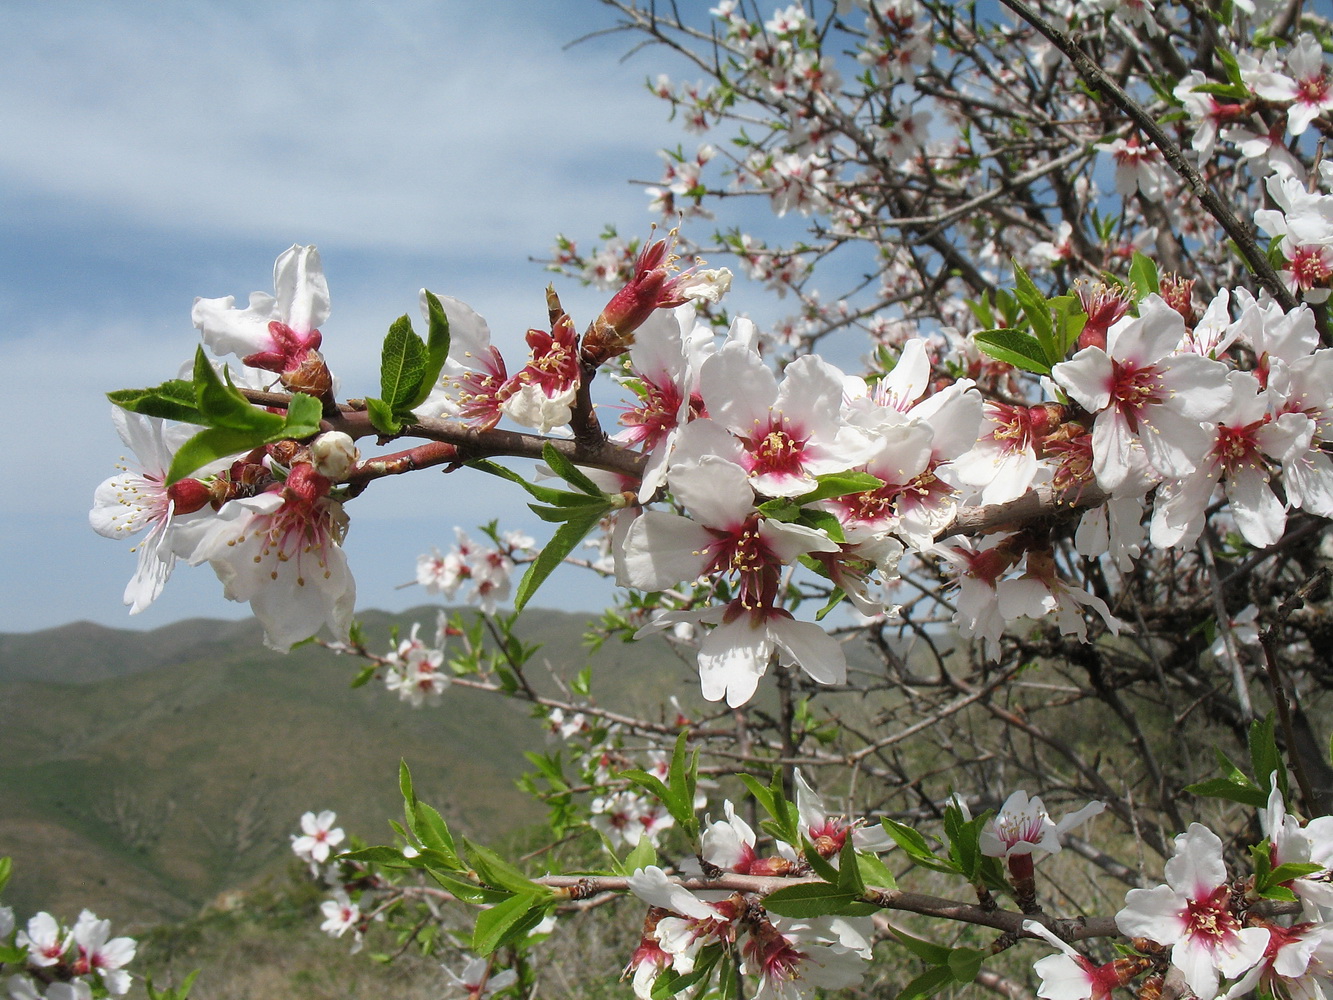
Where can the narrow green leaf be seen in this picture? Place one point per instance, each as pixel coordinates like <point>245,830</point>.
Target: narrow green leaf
<point>563,542</point>
<point>840,484</point>
<point>434,834</point>
<point>402,364</point>
<point>875,872</point>
<point>916,847</point>
<point>546,494</point>
<point>818,863</point>
<point>437,351</point>
<point>927,951</point>
<point>1222,788</point>
<point>506,921</point>
<point>6,871</point>
<point>1035,309</point>
<point>643,855</point>
<point>849,872</point>
<point>363,676</point>
<point>207,446</point>
<point>173,400</point>
<point>221,404</point>
<point>1265,758</point>
<point>1014,347</point>
<point>965,963</point>
<point>587,506</point>
<point>389,857</point>
<point>498,873</point>
<point>810,899</point>
<point>569,472</point>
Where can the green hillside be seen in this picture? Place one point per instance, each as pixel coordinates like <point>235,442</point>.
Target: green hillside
<point>144,774</point>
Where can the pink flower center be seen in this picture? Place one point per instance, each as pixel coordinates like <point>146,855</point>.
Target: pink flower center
<point>1208,921</point>
<point>777,451</point>
<point>1313,90</point>
<point>1133,388</point>
<point>1310,266</point>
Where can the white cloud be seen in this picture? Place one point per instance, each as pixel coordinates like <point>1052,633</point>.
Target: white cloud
<point>395,126</point>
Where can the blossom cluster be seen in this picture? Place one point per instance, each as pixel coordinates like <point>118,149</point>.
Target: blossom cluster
<point>67,963</point>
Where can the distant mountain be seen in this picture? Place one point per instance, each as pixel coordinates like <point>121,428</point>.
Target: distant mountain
<point>143,773</point>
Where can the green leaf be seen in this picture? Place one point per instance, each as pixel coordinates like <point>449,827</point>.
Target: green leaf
<point>546,494</point>
<point>965,963</point>
<point>363,676</point>
<point>849,872</point>
<point>389,857</point>
<point>1143,276</point>
<point>1233,786</point>
<point>643,855</point>
<point>1036,310</point>
<point>221,404</point>
<point>840,484</point>
<point>927,984</point>
<point>304,413</point>
<point>569,472</point>
<point>927,951</point>
<point>6,871</point>
<point>433,832</point>
<point>821,865</point>
<point>382,417</point>
<point>506,921</point>
<point>875,872</point>
<point>1014,347</point>
<point>402,365</point>
<point>563,542</point>
<point>437,350</point>
<point>498,873</point>
<point>1265,758</point>
<point>810,899</point>
<point>207,446</point>
<point>916,847</point>
<point>173,400</point>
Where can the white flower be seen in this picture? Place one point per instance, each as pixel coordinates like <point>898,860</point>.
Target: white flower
<point>318,837</point>
<point>1191,914</point>
<point>340,914</point>
<point>98,954</point>
<point>272,333</point>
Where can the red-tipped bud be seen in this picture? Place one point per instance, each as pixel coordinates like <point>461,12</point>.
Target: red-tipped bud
<point>305,484</point>
<point>189,495</point>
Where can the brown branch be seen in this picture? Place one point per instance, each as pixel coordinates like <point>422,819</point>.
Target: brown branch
<point>1217,208</point>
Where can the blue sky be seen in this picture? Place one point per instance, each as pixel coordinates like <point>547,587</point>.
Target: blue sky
<point>158,152</point>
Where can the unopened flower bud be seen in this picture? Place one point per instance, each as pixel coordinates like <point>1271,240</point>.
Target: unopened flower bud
<point>304,483</point>
<point>189,495</point>
<point>311,376</point>
<point>333,454</point>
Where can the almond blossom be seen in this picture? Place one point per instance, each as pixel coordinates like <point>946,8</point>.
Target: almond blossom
<point>1192,915</point>
<point>1144,395</point>
<point>102,954</point>
<point>789,432</point>
<point>282,552</point>
<point>1242,438</point>
<point>1307,84</point>
<point>477,981</point>
<point>318,837</point>
<point>134,502</point>
<point>274,332</point>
